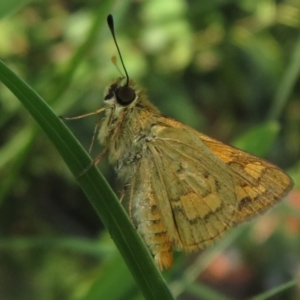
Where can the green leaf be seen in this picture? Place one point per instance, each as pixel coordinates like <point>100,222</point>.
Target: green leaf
<point>259,139</point>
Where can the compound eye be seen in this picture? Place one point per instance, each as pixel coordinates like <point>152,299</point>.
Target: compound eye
<point>125,95</point>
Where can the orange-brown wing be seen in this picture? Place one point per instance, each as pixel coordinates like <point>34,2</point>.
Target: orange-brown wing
<point>260,184</point>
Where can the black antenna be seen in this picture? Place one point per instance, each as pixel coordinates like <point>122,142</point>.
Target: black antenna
<point>110,23</point>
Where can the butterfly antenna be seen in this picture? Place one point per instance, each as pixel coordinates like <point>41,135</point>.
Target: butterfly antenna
<point>110,23</point>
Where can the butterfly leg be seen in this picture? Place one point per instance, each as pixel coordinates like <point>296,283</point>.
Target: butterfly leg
<point>98,123</point>
<point>93,163</point>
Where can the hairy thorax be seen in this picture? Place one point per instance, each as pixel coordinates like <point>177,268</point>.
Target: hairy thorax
<point>125,132</point>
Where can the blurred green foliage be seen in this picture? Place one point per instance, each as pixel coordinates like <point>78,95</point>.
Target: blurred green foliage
<point>228,68</point>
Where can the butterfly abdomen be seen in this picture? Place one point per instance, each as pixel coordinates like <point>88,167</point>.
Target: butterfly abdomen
<point>148,221</point>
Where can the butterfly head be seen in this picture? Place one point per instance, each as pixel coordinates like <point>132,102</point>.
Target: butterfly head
<point>120,92</point>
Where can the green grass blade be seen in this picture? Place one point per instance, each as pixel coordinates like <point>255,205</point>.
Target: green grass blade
<point>287,84</point>
<point>277,290</point>
<point>95,187</point>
